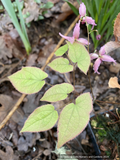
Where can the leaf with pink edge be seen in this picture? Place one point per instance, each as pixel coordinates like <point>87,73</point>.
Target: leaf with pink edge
<point>78,54</point>
<point>61,65</point>
<point>58,92</point>
<point>43,118</point>
<point>74,118</point>
<point>61,50</point>
<point>28,80</point>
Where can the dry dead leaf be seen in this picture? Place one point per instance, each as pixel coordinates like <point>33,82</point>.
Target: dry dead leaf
<point>32,8</point>
<point>47,152</point>
<point>9,154</point>
<point>31,60</point>
<point>27,140</point>
<point>46,50</point>
<point>45,144</point>
<point>54,1</point>
<point>7,103</point>
<point>117,28</point>
<point>114,68</point>
<point>103,148</point>
<point>8,47</point>
<point>4,21</point>
<point>66,11</point>
<point>112,45</point>
<point>113,82</point>
<point>65,7</point>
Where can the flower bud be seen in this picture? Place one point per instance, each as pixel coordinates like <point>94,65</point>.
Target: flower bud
<point>82,10</point>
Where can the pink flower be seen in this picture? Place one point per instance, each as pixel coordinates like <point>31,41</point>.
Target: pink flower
<point>76,33</point>
<point>101,57</point>
<point>89,20</point>
<point>98,37</point>
<point>82,10</point>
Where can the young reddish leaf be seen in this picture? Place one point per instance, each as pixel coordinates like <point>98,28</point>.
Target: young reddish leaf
<point>58,92</point>
<point>28,80</point>
<point>42,119</point>
<point>78,53</point>
<point>61,65</point>
<point>74,118</point>
<point>61,50</point>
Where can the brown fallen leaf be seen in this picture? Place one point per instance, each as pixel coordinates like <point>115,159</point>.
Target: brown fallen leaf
<point>114,68</point>
<point>9,154</point>
<point>8,47</point>
<point>103,148</point>
<point>31,60</point>
<point>54,1</point>
<point>113,82</point>
<point>66,11</point>
<point>32,8</point>
<point>47,152</point>
<point>4,21</point>
<point>112,45</point>
<point>7,103</point>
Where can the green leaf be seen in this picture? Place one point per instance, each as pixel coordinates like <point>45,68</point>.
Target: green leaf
<point>61,65</point>
<point>61,50</point>
<point>48,5</point>
<point>74,9</point>
<point>74,118</point>
<point>42,119</point>
<point>78,53</point>
<point>28,80</point>
<point>58,92</point>
<point>38,1</point>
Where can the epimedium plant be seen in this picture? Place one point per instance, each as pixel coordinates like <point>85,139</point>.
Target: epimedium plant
<point>74,117</point>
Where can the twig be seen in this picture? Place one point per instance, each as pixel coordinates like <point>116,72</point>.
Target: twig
<point>67,78</point>
<point>47,61</point>
<point>106,102</point>
<point>12,111</point>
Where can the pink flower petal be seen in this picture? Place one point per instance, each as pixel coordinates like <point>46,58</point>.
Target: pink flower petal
<point>96,65</point>
<point>83,41</point>
<point>76,31</point>
<point>89,20</point>
<point>82,10</point>
<point>93,56</point>
<point>102,50</point>
<point>70,39</point>
<point>107,58</point>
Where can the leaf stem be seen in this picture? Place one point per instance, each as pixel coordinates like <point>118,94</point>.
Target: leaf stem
<point>89,70</point>
<point>67,78</point>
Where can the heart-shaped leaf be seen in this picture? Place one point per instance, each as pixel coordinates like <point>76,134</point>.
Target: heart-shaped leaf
<point>42,119</point>
<point>28,80</point>
<point>74,118</point>
<point>61,50</point>
<point>57,92</point>
<point>61,65</point>
<point>78,54</point>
